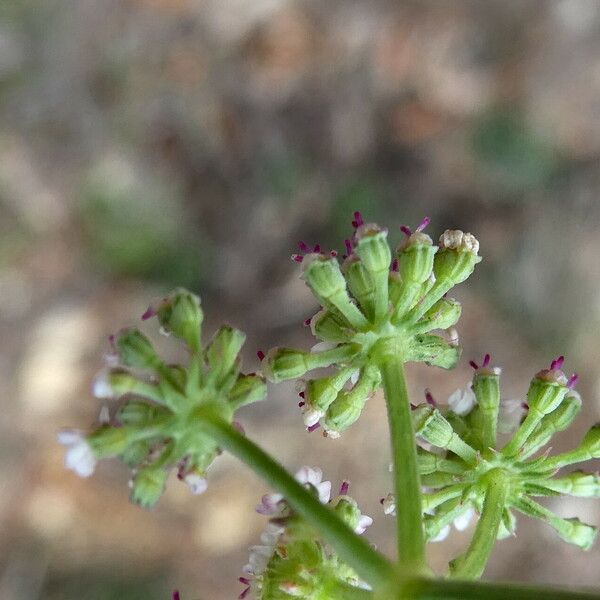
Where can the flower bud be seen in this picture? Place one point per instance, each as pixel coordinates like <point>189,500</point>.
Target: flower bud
<point>139,413</point>
<point>360,283</point>
<point>457,256</point>
<point>323,276</point>
<point>180,314</point>
<point>546,391</point>
<point>432,350</point>
<point>119,382</point>
<point>591,441</point>
<point>109,441</point>
<point>415,258</point>
<point>575,532</point>
<point>442,315</point>
<point>330,327</point>
<point>135,350</point>
<point>222,353</point>
<point>148,485</point>
<point>282,364</point>
<point>247,390</point>
<point>577,483</point>
<point>373,249</point>
<point>321,392</point>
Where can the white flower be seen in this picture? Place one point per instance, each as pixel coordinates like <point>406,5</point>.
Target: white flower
<point>311,415</point>
<point>270,505</point>
<point>314,477</point>
<point>509,415</point>
<point>463,521</point>
<point>79,456</point>
<point>389,504</point>
<point>261,554</point>
<point>364,522</point>
<point>442,535</point>
<point>101,387</point>
<point>196,483</point>
<point>462,401</point>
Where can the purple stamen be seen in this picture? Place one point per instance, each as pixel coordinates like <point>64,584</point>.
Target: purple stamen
<point>407,231</point>
<point>302,394</point>
<point>333,253</point>
<point>344,488</point>
<point>473,364</point>
<point>307,322</point>
<point>261,355</point>
<point>244,580</point>
<point>175,595</point>
<point>572,382</point>
<point>395,266</point>
<point>313,427</point>
<point>486,361</point>
<point>244,593</point>
<point>429,398</point>
<point>423,224</point>
<point>348,245</point>
<point>297,258</point>
<point>557,363</point>
<point>358,220</point>
<point>301,403</point>
<point>304,247</point>
<point>150,312</point>
<point>317,249</point>
<point>381,500</point>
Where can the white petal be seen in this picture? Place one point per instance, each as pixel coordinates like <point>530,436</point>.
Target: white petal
<point>463,521</point>
<point>324,489</point>
<point>462,402</point>
<point>68,437</point>
<point>196,483</point>
<point>80,459</point>
<point>364,522</point>
<point>389,505</point>
<point>323,347</point>
<point>442,535</point>
<point>510,414</point>
<point>354,377</point>
<point>311,415</point>
<point>101,387</point>
<point>309,475</point>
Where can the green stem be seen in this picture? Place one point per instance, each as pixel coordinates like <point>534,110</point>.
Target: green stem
<point>352,549</point>
<point>407,486</point>
<point>471,564</point>
<point>432,589</point>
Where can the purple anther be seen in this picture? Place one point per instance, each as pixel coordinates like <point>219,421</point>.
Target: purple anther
<point>317,249</point>
<point>333,253</point>
<point>304,247</point>
<point>301,403</point>
<point>572,381</point>
<point>150,312</point>
<point>313,427</point>
<point>395,266</point>
<point>344,488</point>
<point>429,398</point>
<point>381,501</point>
<point>302,394</point>
<point>175,595</point>
<point>244,593</point>
<point>358,220</point>
<point>261,355</point>
<point>473,364</point>
<point>307,322</point>
<point>297,258</point>
<point>557,363</point>
<point>486,361</point>
<point>423,224</point>
<point>244,580</point>
<point>348,245</point>
<point>407,231</point>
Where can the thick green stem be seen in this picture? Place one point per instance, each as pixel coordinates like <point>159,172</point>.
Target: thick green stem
<point>407,486</point>
<point>354,550</point>
<point>432,589</point>
<point>471,564</point>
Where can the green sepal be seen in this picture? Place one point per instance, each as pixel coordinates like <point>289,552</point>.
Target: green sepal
<point>181,315</point>
<point>222,354</point>
<point>247,390</point>
<point>415,258</point>
<point>432,350</point>
<point>442,315</point>
<point>148,486</point>
<point>329,326</point>
<point>140,413</point>
<point>136,350</point>
<point>360,283</point>
<point>109,441</point>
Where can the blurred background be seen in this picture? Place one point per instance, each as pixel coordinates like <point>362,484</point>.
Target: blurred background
<point>151,143</point>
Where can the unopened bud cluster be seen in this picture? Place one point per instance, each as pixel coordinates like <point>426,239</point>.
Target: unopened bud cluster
<point>376,304</point>
<point>292,561</point>
<point>460,456</point>
<point>155,428</point>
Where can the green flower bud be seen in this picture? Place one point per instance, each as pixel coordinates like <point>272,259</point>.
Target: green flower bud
<point>180,314</point>
<point>222,354</point>
<point>330,327</point>
<point>546,391</point>
<point>591,442</point>
<point>119,382</point>
<point>148,485</point>
<point>136,350</point>
<point>140,413</point>
<point>577,483</point>
<point>432,350</point>
<point>430,424</point>
<point>247,390</point>
<point>415,257</point>
<point>442,315</point>
<point>136,453</point>
<point>360,283</point>
<point>486,386</point>
<point>321,392</point>
<point>109,441</point>
<point>457,257</point>
<point>282,364</point>
<point>373,249</point>
<point>575,532</point>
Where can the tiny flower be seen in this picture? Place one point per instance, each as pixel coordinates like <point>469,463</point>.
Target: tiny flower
<point>196,483</point>
<point>442,535</point>
<point>270,505</point>
<point>101,387</point>
<point>464,520</point>
<point>363,522</point>
<point>314,477</point>
<point>79,457</point>
<point>462,401</point>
